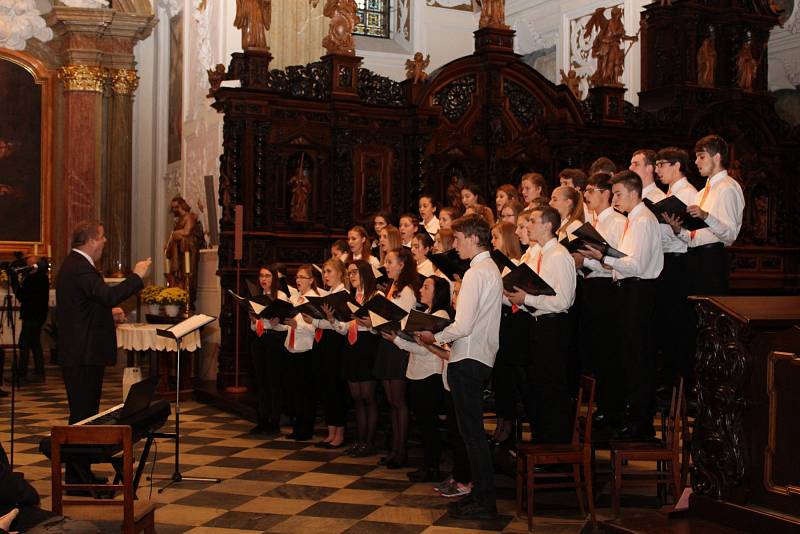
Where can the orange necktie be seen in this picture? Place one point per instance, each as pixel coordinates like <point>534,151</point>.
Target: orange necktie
<point>391,292</point>
<point>259,328</point>
<point>318,335</point>
<point>706,189</point>
<point>291,338</point>
<point>539,263</point>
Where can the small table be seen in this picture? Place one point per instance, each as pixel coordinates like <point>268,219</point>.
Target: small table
<point>143,337</point>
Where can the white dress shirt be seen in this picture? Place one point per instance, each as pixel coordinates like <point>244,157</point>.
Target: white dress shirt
<point>567,232</point>
<point>686,193</point>
<point>642,244</point>
<point>557,268</point>
<point>610,225</point>
<point>422,363</point>
<point>372,260</point>
<point>426,268</point>
<point>653,193</point>
<point>588,215</point>
<point>475,332</point>
<point>304,333</point>
<point>725,205</point>
<point>432,226</point>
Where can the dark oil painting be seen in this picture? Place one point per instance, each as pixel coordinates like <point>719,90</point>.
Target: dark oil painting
<point>20,154</point>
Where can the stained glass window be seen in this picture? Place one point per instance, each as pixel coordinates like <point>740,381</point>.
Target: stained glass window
<point>374,16</point>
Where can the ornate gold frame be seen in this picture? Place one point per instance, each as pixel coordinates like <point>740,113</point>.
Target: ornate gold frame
<point>46,79</point>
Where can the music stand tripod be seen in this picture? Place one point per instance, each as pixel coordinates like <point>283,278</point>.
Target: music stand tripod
<point>178,335</point>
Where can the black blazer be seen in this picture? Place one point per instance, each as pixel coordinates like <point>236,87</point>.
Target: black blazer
<point>86,331</point>
<point>32,295</point>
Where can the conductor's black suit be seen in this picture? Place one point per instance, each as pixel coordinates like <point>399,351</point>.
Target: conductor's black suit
<point>87,339</point>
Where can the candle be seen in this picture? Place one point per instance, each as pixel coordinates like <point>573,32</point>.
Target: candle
<point>36,249</point>
<point>166,264</point>
<point>186,263</point>
<point>49,255</point>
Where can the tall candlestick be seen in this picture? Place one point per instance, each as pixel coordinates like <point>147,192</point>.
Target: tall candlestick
<point>186,263</point>
<point>166,265</point>
<point>49,255</point>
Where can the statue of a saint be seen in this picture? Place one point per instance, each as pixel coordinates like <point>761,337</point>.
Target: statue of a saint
<point>415,68</point>
<point>706,62</point>
<point>340,32</point>
<point>493,14</point>
<point>253,18</point>
<point>573,83</point>
<point>746,66</point>
<point>187,236</point>
<point>607,46</point>
<point>301,190</point>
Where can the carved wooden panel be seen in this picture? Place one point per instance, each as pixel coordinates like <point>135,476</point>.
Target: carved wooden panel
<point>372,188</point>
<point>781,468</point>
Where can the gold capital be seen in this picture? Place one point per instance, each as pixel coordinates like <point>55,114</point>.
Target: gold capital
<point>123,81</point>
<point>82,78</point>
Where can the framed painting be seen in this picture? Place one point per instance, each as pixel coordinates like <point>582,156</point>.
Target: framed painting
<point>26,140</point>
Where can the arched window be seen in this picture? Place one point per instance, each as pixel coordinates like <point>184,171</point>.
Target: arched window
<point>375,16</point>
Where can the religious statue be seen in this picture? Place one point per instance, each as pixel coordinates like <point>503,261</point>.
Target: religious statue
<point>607,46</point>
<point>415,68</point>
<point>573,83</point>
<point>746,66</point>
<point>301,190</point>
<point>343,22</point>
<point>253,18</point>
<point>215,78</point>
<point>493,14</point>
<point>187,237</point>
<point>706,62</point>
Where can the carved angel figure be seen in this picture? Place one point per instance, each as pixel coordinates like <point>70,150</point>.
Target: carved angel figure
<point>340,32</point>
<point>706,63</point>
<point>415,68</point>
<point>607,46</point>
<point>746,66</point>
<point>573,83</point>
<point>215,78</point>
<point>493,14</point>
<point>253,18</point>
<point>301,189</point>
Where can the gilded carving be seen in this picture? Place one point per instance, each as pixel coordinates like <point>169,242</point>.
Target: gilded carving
<point>415,68</point>
<point>253,17</point>
<point>493,14</point>
<point>340,32</point>
<point>82,78</point>
<point>123,81</point>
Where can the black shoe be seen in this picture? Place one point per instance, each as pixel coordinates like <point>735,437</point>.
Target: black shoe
<point>383,460</point>
<point>466,500</point>
<point>474,511</point>
<point>364,451</point>
<point>635,432</point>
<point>322,444</point>
<point>602,419</point>
<point>332,447</point>
<point>397,463</point>
<point>429,474</point>
<point>301,437</point>
<point>353,449</point>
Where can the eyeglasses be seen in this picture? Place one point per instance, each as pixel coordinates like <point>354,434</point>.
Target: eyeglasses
<point>590,190</point>
<point>354,271</point>
<point>304,277</point>
<point>660,164</point>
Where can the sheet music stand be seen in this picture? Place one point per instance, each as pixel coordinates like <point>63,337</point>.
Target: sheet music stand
<point>177,332</point>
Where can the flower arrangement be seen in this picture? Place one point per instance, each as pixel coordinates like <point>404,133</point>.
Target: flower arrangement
<point>173,295</point>
<point>149,295</point>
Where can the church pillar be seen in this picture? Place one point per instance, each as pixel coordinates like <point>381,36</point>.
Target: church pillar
<point>99,80</point>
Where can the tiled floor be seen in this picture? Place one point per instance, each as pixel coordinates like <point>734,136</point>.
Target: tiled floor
<point>271,485</point>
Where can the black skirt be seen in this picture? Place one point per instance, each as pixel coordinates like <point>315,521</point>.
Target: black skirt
<point>390,362</point>
<point>515,338</point>
<point>358,360</point>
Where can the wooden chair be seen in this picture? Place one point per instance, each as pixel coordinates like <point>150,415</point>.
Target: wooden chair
<point>665,452</point>
<point>136,516</point>
<point>578,453</point>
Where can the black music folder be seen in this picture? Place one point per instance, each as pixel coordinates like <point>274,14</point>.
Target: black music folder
<point>501,260</point>
<point>587,235</point>
<point>278,309</point>
<point>385,308</point>
<point>312,308</point>
<point>450,264</point>
<point>254,304</point>
<point>675,207</point>
<point>338,301</point>
<point>527,280</point>
<point>419,321</point>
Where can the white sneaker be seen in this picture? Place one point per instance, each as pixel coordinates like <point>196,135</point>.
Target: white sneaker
<point>458,490</point>
<point>444,485</point>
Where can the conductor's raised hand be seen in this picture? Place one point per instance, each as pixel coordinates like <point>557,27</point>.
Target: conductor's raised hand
<point>142,267</point>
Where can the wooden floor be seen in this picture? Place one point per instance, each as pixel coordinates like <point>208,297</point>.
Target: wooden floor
<point>279,485</point>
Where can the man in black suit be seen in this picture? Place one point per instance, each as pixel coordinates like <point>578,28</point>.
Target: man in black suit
<point>87,338</point>
<point>32,294</point>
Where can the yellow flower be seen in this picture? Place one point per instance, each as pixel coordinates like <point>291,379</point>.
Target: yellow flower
<point>173,295</point>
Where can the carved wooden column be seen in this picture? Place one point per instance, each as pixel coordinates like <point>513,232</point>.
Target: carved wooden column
<point>98,76</point>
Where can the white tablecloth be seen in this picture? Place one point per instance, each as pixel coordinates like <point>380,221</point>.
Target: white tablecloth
<point>142,336</point>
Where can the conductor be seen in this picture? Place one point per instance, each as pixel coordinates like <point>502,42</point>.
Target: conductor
<point>85,311</point>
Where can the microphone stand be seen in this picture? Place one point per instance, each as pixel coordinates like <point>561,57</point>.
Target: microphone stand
<point>8,308</point>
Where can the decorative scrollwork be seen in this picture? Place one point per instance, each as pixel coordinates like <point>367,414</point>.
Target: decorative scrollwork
<point>718,447</point>
<point>83,78</point>
<point>456,97</point>
<point>524,106</point>
<point>301,81</point>
<point>376,89</point>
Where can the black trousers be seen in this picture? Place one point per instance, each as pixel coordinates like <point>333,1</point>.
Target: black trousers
<point>598,325</point>
<point>268,359</point>
<point>550,403</point>
<point>708,270</point>
<point>673,317</point>
<point>466,379</point>
<point>84,385</point>
<point>425,400</point>
<point>30,341</point>
<point>461,472</point>
<point>300,371</point>
<point>329,378</point>
<point>635,310</point>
